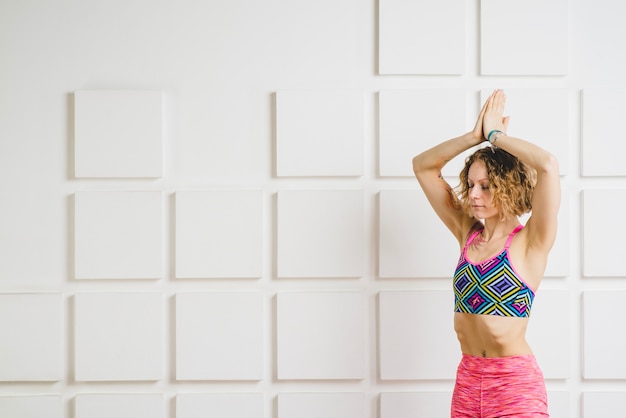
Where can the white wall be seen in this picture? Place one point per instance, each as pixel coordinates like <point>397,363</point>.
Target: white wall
<point>249,240</point>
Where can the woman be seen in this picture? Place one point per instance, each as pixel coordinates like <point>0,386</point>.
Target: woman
<point>501,263</point>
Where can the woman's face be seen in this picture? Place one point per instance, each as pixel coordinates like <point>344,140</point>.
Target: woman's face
<point>481,199</point>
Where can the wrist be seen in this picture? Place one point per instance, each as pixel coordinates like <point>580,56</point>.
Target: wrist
<point>472,139</point>
<point>475,135</point>
<point>493,135</point>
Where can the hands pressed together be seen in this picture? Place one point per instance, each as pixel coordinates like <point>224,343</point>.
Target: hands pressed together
<point>491,116</point>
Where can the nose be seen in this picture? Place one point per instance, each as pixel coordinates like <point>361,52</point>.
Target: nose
<point>474,191</point>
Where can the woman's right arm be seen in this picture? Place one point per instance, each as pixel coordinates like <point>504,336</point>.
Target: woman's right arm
<point>427,168</point>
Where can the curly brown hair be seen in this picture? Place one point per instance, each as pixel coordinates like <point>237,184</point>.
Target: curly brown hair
<point>511,182</point>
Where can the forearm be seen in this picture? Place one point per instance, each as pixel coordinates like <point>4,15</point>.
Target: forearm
<point>531,154</point>
<point>438,156</point>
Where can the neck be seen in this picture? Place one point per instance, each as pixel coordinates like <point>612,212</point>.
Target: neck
<point>496,228</point>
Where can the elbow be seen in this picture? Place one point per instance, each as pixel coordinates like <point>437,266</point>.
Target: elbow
<point>417,165</point>
<point>422,165</point>
<point>549,165</point>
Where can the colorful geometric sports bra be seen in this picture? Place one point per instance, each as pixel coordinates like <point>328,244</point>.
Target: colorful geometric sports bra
<point>492,287</point>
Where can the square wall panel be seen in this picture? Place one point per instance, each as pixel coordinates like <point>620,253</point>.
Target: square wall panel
<point>549,332</point>
<point>321,234</point>
<point>595,48</point>
<point>316,405</point>
<point>321,335</point>
<point>320,133</point>
<point>118,235</point>
<point>601,108</point>
<point>415,404</point>
<point>118,133</point>
<point>603,347</point>
<point>600,209</point>
<point>524,37</point>
<point>219,336</point>
<point>119,405</point>
<point>421,37</point>
<point>226,405</point>
<point>219,234</point>
<point>48,406</point>
<point>604,404</point>
<point>118,336</point>
<point>407,227</point>
<point>416,335</point>
<point>412,121</point>
<point>550,130</point>
<point>32,335</point>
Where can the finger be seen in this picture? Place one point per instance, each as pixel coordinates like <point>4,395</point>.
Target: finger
<point>492,100</point>
<point>481,114</point>
<point>486,103</point>
<point>499,99</point>
<point>483,110</point>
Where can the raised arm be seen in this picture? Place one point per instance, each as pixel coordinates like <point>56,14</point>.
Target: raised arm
<point>427,168</point>
<point>542,224</point>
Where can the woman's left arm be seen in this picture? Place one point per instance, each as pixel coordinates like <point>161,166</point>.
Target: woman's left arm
<point>542,225</point>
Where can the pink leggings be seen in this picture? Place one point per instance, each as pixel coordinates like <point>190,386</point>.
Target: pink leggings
<point>499,387</point>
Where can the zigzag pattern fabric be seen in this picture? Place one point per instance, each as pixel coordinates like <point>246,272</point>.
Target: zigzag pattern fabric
<point>491,288</point>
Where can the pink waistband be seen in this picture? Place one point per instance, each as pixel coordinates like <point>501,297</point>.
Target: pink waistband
<point>498,365</point>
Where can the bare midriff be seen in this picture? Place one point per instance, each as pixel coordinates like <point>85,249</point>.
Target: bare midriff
<point>491,336</point>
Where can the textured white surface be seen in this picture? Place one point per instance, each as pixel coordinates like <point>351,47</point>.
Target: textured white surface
<point>226,405</point>
<point>99,405</point>
<point>600,209</point>
<point>118,336</point>
<point>320,335</point>
<point>219,336</point>
<point>413,242</point>
<point>315,405</point>
<point>219,234</point>
<point>31,331</point>
<point>417,339</point>
<point>49,406</point>
<point>560,258</point>
<point>321,233</point>
<point>118,133</point>
<point>602,148</point>
<point>219,67</point>
<point>415,404</point>
<point>603,347</point>
<point>421,37</point>
<point>414,120</point>
<point>118,235</point>
<point>559,404</point>
<point>320,133</point>
<point>524,37</point>
<point>603,404</point>
<point>549,332</point>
